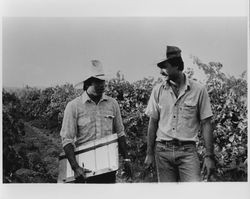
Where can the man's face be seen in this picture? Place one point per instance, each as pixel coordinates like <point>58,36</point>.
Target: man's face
<point>168,71</point>
<point>97,87</point>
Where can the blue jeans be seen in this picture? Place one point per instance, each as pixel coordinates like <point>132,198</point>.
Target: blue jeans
<point>177,163</point>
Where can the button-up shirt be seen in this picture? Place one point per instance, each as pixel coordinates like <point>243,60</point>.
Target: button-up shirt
<point>179,117</point>
<point>84,120</point>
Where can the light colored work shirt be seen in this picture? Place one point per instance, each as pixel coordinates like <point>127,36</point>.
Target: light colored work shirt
<point>179,117</point>
<point>84,120</point>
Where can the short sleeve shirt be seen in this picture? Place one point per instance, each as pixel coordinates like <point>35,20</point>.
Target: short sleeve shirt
<point>179,117</point>
<point>84,120</point>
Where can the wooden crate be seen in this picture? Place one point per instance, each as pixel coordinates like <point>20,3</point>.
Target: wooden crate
<point>100,156</point>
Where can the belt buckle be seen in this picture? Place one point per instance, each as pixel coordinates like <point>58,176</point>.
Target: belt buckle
<point>177,142</point>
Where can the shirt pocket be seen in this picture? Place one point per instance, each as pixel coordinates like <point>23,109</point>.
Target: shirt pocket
<point>189,110</point>
<point>107,119</point>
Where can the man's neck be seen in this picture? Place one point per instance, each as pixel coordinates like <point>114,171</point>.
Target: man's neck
<point>179,81</point>
<point>94,98</point>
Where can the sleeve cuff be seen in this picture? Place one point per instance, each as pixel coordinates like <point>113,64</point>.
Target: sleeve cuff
<point>68,141</point>
<point>150,114</point>
<point>120,134</point>
<point>206,116</point>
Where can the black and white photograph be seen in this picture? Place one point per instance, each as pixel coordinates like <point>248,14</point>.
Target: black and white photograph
<point>115,96</point>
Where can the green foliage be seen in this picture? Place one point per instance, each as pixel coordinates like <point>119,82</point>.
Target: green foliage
<point>59,97</point>
<point>229,104</point>
<point>47,105</point>
<point>31,105</point>
<point>13,129</point>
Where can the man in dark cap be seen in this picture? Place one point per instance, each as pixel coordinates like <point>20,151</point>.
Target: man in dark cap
<point>178,109</point>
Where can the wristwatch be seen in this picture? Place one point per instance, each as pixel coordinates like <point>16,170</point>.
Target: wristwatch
<point>126,160</point>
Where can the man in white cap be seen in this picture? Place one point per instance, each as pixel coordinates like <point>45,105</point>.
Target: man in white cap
<point>179,109</point>
<point>91,116</point>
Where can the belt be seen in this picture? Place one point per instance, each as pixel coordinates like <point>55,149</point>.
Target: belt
<point>176,142</point>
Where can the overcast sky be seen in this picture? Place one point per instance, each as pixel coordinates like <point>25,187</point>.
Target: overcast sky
<point>47,51</point>
<point>45,43</point>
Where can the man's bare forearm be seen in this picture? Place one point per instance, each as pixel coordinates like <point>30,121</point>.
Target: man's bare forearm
<point>69,152</point>
<point>123,146</point>
<point>152,128</point>
<point>208,136</point>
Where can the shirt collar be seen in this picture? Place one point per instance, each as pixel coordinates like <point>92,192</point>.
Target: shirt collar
<point>86,98</point>
<point>187,82</point>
